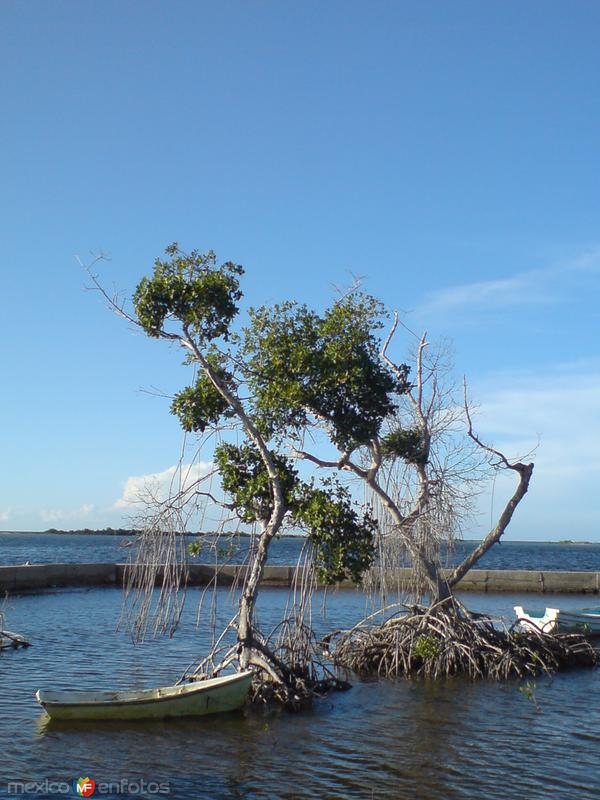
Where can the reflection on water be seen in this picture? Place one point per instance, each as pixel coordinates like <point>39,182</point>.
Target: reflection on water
<point>400,739</point>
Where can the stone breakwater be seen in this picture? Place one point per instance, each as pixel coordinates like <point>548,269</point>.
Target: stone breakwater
<point>46,576</point>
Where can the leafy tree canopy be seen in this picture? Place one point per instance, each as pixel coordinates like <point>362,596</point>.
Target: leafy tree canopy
<point>192,289</point>
<point>301,363</point>
<point>299,366</point>
<point>406,443</point>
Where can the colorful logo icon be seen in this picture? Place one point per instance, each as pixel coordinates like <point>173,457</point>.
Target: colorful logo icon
<point>84,787</point>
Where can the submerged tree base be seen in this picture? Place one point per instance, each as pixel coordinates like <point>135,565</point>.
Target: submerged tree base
<point>447,639</point>
<point>290,671</point>
<point>294,693</point>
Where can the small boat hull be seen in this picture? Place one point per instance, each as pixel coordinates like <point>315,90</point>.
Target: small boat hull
<point>554,620</point>
<point>188,700</point>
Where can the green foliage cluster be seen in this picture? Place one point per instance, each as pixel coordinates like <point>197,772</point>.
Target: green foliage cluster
<point>201,405</point>
<point>342,539</point>
<point>407,444</point>
<point>426,647</point>
<point>302,363</point>
<point>190,288</point>
<point>195,548</point>
<point>245,479</point>
<point>528,690</point>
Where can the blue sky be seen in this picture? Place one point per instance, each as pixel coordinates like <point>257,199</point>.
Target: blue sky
<point>448,152</point>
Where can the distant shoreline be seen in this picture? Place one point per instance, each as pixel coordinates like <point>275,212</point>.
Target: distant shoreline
<point>196,534</point>
<point>126,532</point>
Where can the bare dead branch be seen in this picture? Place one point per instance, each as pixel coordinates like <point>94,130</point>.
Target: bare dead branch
<point>524,471</point>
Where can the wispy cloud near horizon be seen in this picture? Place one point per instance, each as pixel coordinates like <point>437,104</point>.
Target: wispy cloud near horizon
<point>536,286</point>
<point>556,412</point>
<point>62,514</point>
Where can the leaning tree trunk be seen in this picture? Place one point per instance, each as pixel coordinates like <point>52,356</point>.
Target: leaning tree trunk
<point>245,634</point>
<point>524,471</point>
<point>245,627</point>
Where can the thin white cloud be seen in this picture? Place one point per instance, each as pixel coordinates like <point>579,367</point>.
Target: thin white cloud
<point>557,412</point>
<point>5,514</point>
<point>535,286</point>
<point>557,402</point>
<point>160,485</point>
<point>61,514</point>
<point>481,293</point>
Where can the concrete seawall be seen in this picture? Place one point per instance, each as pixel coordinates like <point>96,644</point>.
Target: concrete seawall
<point>44,576</point>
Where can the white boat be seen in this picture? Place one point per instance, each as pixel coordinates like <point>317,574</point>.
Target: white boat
<point>12,640</point>
<point>556,620</point>
<point>189,699</point>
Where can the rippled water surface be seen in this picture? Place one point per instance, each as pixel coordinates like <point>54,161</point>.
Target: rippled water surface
<point>60,548</point>
<point>380,740</point>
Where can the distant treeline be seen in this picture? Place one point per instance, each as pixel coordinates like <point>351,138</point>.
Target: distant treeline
<point>127,532</point>
<point>113,532</point>
<point>107,531</point>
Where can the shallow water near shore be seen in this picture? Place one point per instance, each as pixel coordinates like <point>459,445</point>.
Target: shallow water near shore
<point>388,739</point>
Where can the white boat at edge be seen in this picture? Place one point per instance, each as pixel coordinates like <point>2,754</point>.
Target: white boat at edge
<point>198,698</point>
<point>556,620</point>
<point>12,640</point>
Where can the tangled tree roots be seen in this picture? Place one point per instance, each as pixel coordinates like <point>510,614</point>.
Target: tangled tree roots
<point>449,640</point>
<point>296,690</point>
<point>292,673</point>
<point>288,665</point>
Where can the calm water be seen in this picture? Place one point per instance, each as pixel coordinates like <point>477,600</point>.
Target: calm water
<point>380,740</point>
<point>57,548</point>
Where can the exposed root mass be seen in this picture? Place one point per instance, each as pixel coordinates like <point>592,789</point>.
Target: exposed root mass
<point>449,640</point>
<point>289,668</point>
